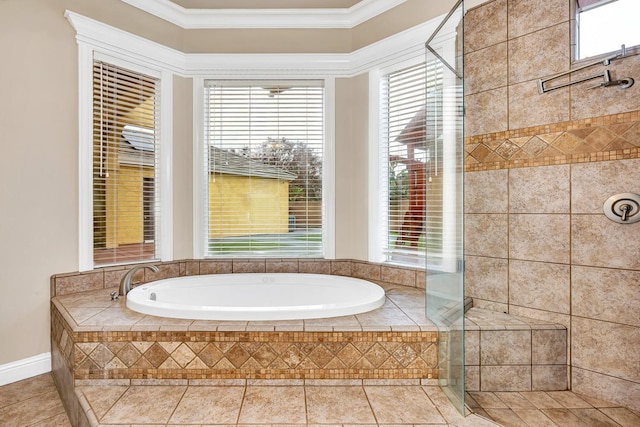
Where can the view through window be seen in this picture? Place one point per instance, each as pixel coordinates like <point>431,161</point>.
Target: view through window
<point>264,145</point>
<point>125,165</point>
<point>409,162</point>
<point>605,25</point>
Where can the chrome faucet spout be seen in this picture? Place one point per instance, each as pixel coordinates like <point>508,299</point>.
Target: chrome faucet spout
<point>125,283</point>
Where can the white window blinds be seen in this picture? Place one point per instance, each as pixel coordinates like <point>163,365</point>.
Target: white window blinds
<point>405,160</point>
<point>125,165</point>
<point>264,145</point>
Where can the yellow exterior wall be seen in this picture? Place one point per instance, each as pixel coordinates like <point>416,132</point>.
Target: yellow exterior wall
<point>242,205</point>
<point>125,222</point>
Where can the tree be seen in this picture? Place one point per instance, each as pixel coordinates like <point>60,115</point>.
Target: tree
<point>297,158</point>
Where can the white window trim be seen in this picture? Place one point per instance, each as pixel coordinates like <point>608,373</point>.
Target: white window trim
<point>86,55</point>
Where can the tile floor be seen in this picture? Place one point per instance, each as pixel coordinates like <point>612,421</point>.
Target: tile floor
<point>35,402</point>
<point>550,408</point>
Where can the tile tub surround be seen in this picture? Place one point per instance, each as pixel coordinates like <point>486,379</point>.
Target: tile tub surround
<point>504,353</point>
<point>102,339</point>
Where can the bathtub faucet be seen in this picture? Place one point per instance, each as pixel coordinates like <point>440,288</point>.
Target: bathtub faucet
<point>125,283</point>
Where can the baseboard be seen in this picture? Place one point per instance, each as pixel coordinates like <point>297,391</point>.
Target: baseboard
<point>25,368</point>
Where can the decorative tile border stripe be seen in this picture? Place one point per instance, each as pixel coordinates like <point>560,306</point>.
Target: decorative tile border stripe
<point>614,137</point>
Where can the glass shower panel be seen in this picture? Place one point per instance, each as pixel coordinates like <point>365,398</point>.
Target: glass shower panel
<point>444,210</point>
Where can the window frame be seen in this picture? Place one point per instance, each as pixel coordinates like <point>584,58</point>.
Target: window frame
<point>575,36</point>
<point>87,54</point>
<point>378,179</point>
<point>200,170</point>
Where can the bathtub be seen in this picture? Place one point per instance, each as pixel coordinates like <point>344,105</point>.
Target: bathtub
<point>256,296</point>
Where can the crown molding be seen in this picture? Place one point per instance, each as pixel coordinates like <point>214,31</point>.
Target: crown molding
<point>344,18</point>
<point>118,43</point>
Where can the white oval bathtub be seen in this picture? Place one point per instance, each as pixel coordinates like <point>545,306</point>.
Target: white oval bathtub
<point>256,296</point>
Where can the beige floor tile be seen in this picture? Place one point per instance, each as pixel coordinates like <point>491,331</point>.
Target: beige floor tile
<point>568,399</point>
<point>272,405</point>
<point>444,406</point>
<point>505,417</point>
<point>30,411</point>
<point>564,418</point>
<point>541,400</point>
<point>25,389</point>
<point>60,420</point>
<point>145,405</point>
<point>594,418</point>
<point>534,417</point>
<point>514,400</point>
<point>102,399</point>
<point>211,405</point>
<point>402,405</point>
<point>488,400</point>
<point>622,416</point>
<point>340,404</point>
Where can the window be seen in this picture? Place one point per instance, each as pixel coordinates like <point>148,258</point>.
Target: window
<point>407,164</point>
<point>264,151</point>
<point>604,25</point>
<point>125,165</point>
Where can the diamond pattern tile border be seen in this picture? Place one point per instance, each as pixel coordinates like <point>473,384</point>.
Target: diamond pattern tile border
<point>604,138</point>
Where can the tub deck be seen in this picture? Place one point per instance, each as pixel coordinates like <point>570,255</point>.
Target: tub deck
<point>96,338</point>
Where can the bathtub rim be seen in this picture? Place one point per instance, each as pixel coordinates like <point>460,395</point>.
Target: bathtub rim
<point>137,302</point>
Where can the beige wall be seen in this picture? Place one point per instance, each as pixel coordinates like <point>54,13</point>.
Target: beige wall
<point>538,170</point>
<point>351,167</point>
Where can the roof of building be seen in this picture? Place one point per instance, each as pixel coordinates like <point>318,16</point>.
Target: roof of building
<point>227,162</point>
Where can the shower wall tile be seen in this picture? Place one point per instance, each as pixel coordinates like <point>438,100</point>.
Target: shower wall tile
<point>485,25</point>
<point>606,294</point>
<point>586,102</point>
<point>486,69</point>
<point>548,347</point>
<point>539,190</point>
<point>528,108</point>
<point>490,112</point>
<point>607,348</point>
<point>527,16</point>
<point>486,235</point>
<point>540,285</point>
<point>486,192</point>
<point>487,278</point>
<point>593,183</point>
<point>505,378</point>
<point>549,377</point>
<point>539,54</point>
<point>539,237</point>
<point>597,241</point>
<point>505,347</point>
<point>605,387</point>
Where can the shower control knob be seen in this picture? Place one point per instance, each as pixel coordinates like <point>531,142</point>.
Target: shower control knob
<point>623,208</point>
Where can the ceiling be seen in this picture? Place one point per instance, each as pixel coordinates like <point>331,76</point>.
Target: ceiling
<point>266,4</point>
<point>200,14</point>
